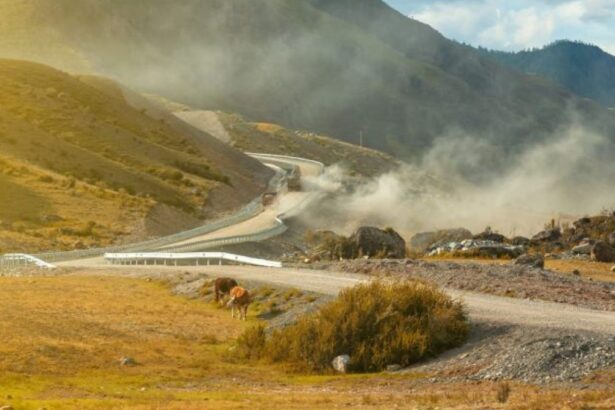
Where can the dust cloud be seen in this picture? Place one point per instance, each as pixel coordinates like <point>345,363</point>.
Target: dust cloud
<point>469,183</point>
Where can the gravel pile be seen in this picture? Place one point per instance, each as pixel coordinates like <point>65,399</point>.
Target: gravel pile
<point>529,354</point>
<point>503,280</point>
<point>566,358</point>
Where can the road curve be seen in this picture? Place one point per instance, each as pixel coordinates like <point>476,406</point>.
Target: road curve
<point>266,219</point>
<point>480,307</point>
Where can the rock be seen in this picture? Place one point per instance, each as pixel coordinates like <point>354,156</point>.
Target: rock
<point>603,252</point>
<point>576,272</point>
<point>127,361</point>
<point>612,239</point>
<point>520,241</point>
<point>534,260</point>
<point>582,249</point>
<point>340,363</point>
<point>371,241</point>
<point>613,268</point>
<point>547,235</point>
<point>6,408</point>
<point>422,241</point>
<point>491,236</point>
<point>393,368</point>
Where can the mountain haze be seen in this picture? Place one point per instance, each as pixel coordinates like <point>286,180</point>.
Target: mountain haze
<point>582,68</point>
<point>335,67</point>
<point>82,160</point>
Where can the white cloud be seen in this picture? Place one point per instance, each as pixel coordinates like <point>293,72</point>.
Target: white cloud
<point>521,24</point>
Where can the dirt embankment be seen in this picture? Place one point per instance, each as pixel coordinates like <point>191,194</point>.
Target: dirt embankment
<point>496,279</point>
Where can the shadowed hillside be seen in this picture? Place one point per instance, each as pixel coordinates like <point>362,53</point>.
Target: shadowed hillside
<point>334,67</point>
<point>582,68</point>
<point>80,166</point>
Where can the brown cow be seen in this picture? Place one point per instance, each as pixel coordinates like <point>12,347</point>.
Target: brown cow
<point>240,299</point>
<point>223,286</point>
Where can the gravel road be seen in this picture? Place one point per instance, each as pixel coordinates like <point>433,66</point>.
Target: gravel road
<point>481,307</point>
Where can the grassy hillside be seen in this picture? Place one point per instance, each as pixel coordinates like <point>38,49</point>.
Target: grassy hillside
<point>80,166</point>
<point>335,67</point>
<point>275,139</point>
<point>582,68</point>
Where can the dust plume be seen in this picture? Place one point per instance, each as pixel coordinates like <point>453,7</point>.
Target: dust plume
<point>469,183</point>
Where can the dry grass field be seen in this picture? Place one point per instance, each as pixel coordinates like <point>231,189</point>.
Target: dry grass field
<point>63,338</point>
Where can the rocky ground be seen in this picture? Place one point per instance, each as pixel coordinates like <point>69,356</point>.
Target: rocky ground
<point>528,354</point>
<point>497,279</point>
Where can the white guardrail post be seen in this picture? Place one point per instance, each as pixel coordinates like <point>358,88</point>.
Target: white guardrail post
<point>11,260</point>
<point>153,258</point>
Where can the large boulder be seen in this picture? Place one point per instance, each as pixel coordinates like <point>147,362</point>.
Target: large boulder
<point>603,252</point>
<point>425,240</point>
<point>520,241</point>
<point>370,241</point>
<point>533,260</point>
<point>489,235</point>
<point>547,235</point>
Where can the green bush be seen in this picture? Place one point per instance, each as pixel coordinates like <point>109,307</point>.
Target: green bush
<point>377,324</point>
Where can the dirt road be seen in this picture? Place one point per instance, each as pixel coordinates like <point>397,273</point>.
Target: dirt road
<point>480,307</point>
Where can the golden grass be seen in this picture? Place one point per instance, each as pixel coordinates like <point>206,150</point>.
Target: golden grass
<point>63,336</point>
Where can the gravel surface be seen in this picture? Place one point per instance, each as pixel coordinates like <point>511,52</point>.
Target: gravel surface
<point>528,354</point>
<point>502,280</point>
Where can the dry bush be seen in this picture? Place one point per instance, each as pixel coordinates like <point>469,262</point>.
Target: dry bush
<point>503,392</point>
<point>377,324</point>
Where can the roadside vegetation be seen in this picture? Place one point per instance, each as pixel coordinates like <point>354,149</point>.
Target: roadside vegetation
<point>65,336</point>
<point>376,324</point>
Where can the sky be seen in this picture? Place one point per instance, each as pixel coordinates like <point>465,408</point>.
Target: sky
<point>517,24</point>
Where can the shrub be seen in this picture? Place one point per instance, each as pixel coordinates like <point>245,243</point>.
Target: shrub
<point>377,324</point>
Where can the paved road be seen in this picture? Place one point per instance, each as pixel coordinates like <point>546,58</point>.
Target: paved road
<point>480,307</point>
<point>266,219</point>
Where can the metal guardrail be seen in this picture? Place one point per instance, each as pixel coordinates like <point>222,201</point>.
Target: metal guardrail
<point>146,258</point>
<point>247,212</point>
<point>11,260</point>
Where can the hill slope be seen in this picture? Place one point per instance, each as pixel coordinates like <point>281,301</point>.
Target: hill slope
<point>275,139</point>
<point>80,166</point>
<point>335,67</point>
<point>582,68</point>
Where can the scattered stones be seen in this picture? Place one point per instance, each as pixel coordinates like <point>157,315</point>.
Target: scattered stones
<point>534,260</point>
<point>524,281</point>
<point>566,358</point>
<point>340,363</point>
<point>475,247</point>
<point>603,252</point>
<point>424,240</point>
<point>127,361</point>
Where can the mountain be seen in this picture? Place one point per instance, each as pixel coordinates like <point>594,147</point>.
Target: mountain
<point>584,69</point>
<point>335,67</point>
<point>84,162</point>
